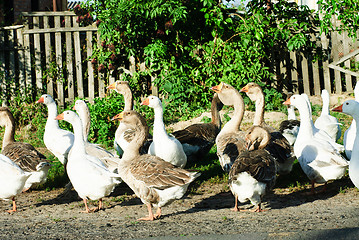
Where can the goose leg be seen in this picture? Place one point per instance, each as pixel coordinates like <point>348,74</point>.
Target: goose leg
<point>259,208</point>
<point>150,214</point>
<point>87,208</point>
<point>235,209</point>
<point>14,208</point>
<point>158,213</point>
<point>100,204</point>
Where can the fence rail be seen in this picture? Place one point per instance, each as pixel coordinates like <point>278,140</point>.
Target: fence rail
<point>51,51</point>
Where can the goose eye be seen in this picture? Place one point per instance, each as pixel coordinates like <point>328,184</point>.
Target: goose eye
<point>346,103</point>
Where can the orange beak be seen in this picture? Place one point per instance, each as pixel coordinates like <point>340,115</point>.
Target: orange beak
<point>118,117</point>
<point>338,109</point>
<point>146,102</point>
<point>74,108</point>
<point>41,100</point>
<point>244,89</point>
<point>287,102</point>
<point>112,86</point>
<point>60,117</point>
<point>217,88</point>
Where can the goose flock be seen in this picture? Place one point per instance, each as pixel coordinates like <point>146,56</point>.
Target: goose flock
<point>154,166</point>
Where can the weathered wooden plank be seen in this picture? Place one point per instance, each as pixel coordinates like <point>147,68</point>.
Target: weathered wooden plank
<point>69,61</point>
<point>78,62</point>
<point>48,56</point>
<point>53,30</point>
<point>326,72</point>
<point>294,73</point>
<point>58,52</point>
<point>101,76</point>
<point>37,53</point>
<point>12,27</point>
<point>50,14</point>
<point>27,60</point>
<point>305,75</point>
<point>11,68</point>
<point>2,67</point>
<point>91,79</point>
<point>346,71</point>
<point>346,49</point>
<point>337,76</point>
<point>20,45</point>
<point>316,78</point>
<point>283,73</point>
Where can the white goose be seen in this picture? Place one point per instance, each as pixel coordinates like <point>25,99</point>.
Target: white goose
<point>156,182</point>
<point>12,180</point>
<point>163,146</point>
<point>350,133</point>
<point>290,127</point>
<point>122,139</point>
<point>320,133</point>
<point>57,140</point>
<point>230,140</point>
<point>88,175</point>
<point>325,121</point>
<point>254,171</point>
<point>351,107</point>
<point>110,161</point>
<point>317,157</point>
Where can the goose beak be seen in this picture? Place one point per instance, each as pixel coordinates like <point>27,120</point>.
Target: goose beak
<point>60,117</point>
<point>112,86</point>
<point>118,117</point>
<point>244,89</point>
<point>217,88</point>
<point>146,102</point>
<point>74,108</point>
<point>41,100</point>
<point>338,109</point>
<point>287,102</point>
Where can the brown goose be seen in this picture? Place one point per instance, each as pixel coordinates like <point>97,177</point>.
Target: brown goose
<point>154,181</point>
<point>279,146</point>
<point>23,154</point>
<point>230,140</point>
<point>198,139</point>
<point>254,171</point>
<point>124,134</point>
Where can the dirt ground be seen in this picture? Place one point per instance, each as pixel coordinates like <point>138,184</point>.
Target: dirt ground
<point>51,215</point>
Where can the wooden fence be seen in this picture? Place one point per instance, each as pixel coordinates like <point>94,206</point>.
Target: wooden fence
<point>51,51</point>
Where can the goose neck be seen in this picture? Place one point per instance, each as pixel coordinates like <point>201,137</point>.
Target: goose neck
<point>79,143</point>
<point>159,129</point>
<point>259,113</point>
<point>128,100</point>
<point>51,115</point>
<point>306,123</point>
<point>325,108</point>
<point>9,134</point>
<point>133,148</point>
<point>216,118</point>
<point>234,124</point>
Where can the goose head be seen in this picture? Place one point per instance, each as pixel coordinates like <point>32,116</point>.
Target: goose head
<point>43,166</point>
<point>350,107</point>
<point>297,101</point>
<point>226,93</point>
<point>6,117</point>
<point>79,104</point>
<point>152,101</point>
<point>257,138</point>
<point>253,91</point>
<point>120,86</point>
<point>45,99</point>
<point>68,116</point>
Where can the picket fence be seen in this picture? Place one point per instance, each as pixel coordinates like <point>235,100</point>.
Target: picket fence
<point>51,51</point>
